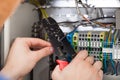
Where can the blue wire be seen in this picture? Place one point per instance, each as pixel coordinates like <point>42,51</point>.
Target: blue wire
<point>70,35</point>
<point>105,62</point>
<point>112,63</point>
<point>69,57</point>
<point>118,68</point>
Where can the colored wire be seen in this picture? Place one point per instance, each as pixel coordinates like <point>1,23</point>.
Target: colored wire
<point>112,63</point>
<point>110,43</point>
<point>79,13</point>
<point>94,19</point>
<point>105,62</point>
<point>37,4</point>
<point>70,35</point>
<point>118,68</point>
<point>115,35</point>
<point>117,62</point>
<point>110,35</point>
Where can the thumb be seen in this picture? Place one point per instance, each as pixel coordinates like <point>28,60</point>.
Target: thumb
<point>42,52</point>
<point>56,73</point>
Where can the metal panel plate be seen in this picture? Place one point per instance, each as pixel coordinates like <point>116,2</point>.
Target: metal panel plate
<point>118,19</point>
<point>96,3</point>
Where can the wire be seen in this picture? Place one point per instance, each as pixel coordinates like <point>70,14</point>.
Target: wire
<point>101,18</point>
<point>115,35</point>
<point>110,35</point>
<point>112,63</point>
<point>105,62</point>
<point>79,13</point>
<point>37,4</point>
<point>85,5</point>
<point>118,68</point>
<point>70,35</point>
<point>83,22</point>
<point>117,61</point>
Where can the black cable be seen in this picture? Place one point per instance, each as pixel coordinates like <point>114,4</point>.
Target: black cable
<point>85,5</point>
<point>39,12</point>
<point>95,19</point>
<point>100,18</point>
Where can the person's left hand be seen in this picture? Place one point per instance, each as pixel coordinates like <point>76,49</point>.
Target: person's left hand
<point>22,59</point>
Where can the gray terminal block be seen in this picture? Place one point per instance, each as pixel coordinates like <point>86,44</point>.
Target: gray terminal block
<point>90,43</point>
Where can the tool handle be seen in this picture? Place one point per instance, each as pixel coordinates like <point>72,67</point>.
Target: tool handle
<point>62,64</point>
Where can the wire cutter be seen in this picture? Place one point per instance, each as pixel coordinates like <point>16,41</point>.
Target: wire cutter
<point>58,39</point>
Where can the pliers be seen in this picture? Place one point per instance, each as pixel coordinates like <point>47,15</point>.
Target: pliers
<point>58,39</point>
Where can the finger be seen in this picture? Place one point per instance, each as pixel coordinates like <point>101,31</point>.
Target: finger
<point>56,72</point>
<point>90,59</point>
<point>82,55</point>
<point>42,53</point>
<point>101,74</point>
<point>21,78</point>
<point>34,42</point>
<point>97,65</point>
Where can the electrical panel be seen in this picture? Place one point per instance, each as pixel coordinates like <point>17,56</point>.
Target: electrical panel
<point>91,25</point>
<point>101,46</point>
<point>88,25</point>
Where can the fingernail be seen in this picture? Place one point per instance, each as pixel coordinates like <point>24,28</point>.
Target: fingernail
<point>52,49</point>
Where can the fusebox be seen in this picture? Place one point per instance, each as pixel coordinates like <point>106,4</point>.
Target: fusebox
<point>91,25</point>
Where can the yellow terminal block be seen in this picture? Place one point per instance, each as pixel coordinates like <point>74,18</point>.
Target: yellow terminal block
<point>102,35</point>
<point>75,41</point>
<point>89,35</point>
<point>75,37</point>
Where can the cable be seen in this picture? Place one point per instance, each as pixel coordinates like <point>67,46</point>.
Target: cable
<point>79,13</point>
<point>104,62</point>
<point>117,62</point>
<point>37,4</point>
<point>84,22</point>
<point>112,63</point>
<point>70,35</point>
<point>118,68</point>
<point>101,18</point>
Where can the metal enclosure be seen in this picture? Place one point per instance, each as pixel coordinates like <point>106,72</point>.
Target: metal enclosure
<point>118,19</point>
<point>20,25</point>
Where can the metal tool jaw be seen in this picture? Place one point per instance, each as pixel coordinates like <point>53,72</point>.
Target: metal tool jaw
<point>58,39</point>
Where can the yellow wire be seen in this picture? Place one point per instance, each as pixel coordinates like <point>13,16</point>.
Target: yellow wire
<point>36,3</point>
<point>45,13</point>
<point>110,35</point>
<point>115,36</point>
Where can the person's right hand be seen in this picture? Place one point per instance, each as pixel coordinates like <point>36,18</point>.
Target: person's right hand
<point>22,59</point>
<point>81,68</point>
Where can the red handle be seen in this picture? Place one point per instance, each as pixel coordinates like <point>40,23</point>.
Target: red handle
<point>62,64</point>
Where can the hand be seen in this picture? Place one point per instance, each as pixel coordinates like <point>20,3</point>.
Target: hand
<point>81,68</point>
<point>22,59</point>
